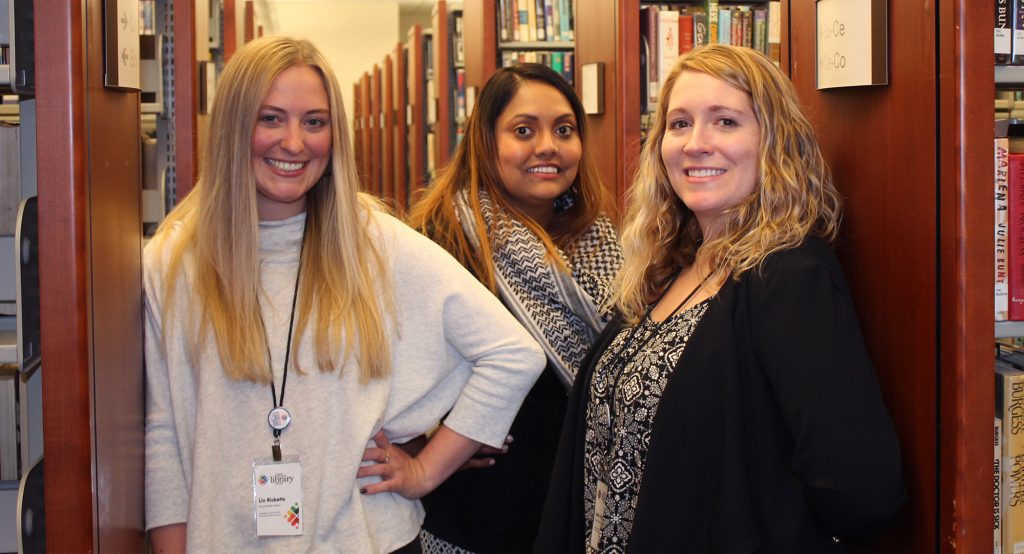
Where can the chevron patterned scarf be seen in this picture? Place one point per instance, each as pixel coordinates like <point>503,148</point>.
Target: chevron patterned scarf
<point>558,309</point>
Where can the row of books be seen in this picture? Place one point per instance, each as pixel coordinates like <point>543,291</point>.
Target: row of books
<point>1009,32</point>
<point>667,31</point>
<point>1008,452</point>
<point>535,20</point>
<point>561,62</point>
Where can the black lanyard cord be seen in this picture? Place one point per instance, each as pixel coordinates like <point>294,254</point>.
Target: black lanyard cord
<point>288,344</point>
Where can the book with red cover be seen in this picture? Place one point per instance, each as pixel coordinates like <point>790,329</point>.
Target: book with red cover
<point>685,33</point>
<point>1015,238</point>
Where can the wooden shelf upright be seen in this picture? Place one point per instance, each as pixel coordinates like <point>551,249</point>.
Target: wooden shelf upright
<point>400,130</point>
<point>374,120</point>
<point>387,162</point>
<point>417,101</point>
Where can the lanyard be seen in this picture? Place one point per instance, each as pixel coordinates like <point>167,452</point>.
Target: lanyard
<point>279,418</point>
<point>618,362</point>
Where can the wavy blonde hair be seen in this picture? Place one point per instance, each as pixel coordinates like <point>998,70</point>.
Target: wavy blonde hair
<point>474,167</point>
<point>341,294</point>
<point>794,197</point>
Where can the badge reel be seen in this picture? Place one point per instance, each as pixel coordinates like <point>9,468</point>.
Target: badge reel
<point>277,486</point>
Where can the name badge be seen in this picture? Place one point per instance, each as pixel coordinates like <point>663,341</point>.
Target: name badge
<point>277,496</point>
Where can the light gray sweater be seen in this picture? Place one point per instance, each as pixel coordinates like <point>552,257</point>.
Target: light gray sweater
<point>456,348</point>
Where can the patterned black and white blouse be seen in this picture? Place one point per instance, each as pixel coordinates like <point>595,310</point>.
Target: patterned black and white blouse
<point>627,385</point>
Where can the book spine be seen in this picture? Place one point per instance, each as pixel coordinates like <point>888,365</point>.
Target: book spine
<point>700,29</point>
<point>1003,31</point>
<point>1018,32</point>
<point>538,10</point>
<point>712,7</point>
<point>650,14</point>
<point>523,27</point>
<point>549,21</point>
<point>685,33</point>
<point>1015,237</point>
<point>748,29</point>
<point>736,36</point>
<point>997,464</point>
<point>570,21</point>
<point>1002,187</point>
<point>1010,385</point>
<point>556,21</point>
<point>502,20</point>
<point>761,30</point>
<point>668,43</point>
<point>725,25</point>
<point>775,31</point>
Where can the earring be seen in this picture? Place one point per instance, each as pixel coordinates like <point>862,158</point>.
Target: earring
<point>566,200</point>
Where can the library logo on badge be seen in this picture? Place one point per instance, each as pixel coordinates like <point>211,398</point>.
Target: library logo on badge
<point>292,515</point>
<point>262,480</point>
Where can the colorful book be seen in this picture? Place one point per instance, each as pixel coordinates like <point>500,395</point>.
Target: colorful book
<point>1010,405</point>
<point>1015,237</point>
<point>700,27</point>
<point>997,464</point>
<point>685,33</point>
<point>649,35</point>
<point>668,43</point>
<point>712,8</point>
<point>775,31</point>
<point>1002,187</point>
<point>1004,31</point>
<point>725,25</point>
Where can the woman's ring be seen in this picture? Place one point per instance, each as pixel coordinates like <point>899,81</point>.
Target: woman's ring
<point>387,456</point>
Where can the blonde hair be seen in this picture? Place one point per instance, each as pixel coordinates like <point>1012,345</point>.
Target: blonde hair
<point>341,270</point>
<point>474,167</point>
<point>794,197</point>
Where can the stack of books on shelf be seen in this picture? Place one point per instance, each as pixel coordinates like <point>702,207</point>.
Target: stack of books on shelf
<point>1008,452</point>
<point>537,31</point>
<point>535,20</point>
<point>1009,32</point>
<point>561,62</point>
<point>668,30</point>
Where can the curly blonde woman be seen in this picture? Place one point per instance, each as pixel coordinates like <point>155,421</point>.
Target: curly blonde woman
<point>732,406</point>
<point>276,275</point>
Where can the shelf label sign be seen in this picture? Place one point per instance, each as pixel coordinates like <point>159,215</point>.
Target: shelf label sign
<point>121,44</point>
<point>851,43</point>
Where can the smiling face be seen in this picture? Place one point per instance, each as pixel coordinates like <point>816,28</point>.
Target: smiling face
<point>539,149</point>
<point>291,143</point>
<point>710,147</point>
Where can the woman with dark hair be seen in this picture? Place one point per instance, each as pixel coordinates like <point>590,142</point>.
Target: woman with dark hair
<point>521,205</point>
<point>731,405</point>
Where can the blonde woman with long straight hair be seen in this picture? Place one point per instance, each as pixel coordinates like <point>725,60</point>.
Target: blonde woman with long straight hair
<point>275,275</point>
<point>732,405</point>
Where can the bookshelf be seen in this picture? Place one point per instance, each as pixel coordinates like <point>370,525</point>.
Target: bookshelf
<point>417,77</point>
<point>442,123</point>
<point>400,130</point>
<point>387,122</point>
<point>374,119</point>
<point>917,247</point>
<point>617,135</point>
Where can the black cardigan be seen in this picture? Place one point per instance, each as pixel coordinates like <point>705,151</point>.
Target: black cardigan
<point>771,434</point>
